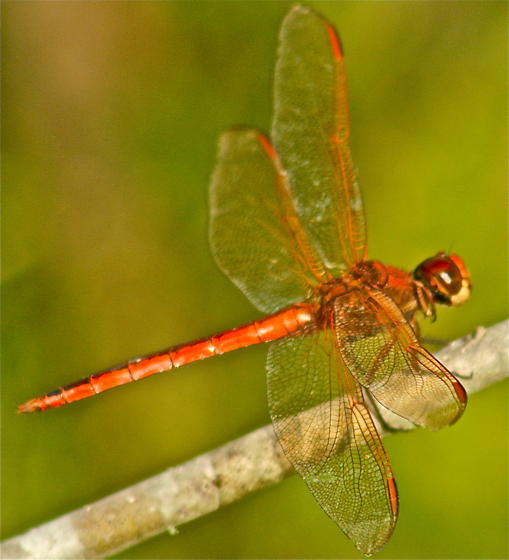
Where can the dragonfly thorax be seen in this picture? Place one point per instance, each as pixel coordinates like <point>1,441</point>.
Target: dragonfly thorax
<point>364,273</point>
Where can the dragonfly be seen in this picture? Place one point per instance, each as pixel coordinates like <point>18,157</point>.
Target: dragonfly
<point>288,228</point>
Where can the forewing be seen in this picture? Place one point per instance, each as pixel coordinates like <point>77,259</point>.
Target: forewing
<point>381,350</point>
<point>254,234</point>
<point>329,437</point>
<point>311,132</point>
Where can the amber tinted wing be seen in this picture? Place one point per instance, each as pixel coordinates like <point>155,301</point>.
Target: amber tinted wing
<point>381,350</point>
<point>254,232</point>
<point>328,435</point>
<point>310,131</point>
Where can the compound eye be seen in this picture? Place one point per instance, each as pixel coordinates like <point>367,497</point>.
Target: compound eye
<point>447,277</point>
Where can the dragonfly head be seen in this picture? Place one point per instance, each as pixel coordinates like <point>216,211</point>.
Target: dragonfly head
<point>447,278</point>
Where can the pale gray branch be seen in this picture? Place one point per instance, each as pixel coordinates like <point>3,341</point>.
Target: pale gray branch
<point>204,484</point>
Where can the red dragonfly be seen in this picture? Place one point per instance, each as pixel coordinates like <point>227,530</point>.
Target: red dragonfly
<point>288,228</point>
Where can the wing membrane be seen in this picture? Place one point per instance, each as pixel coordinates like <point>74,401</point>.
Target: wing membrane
<point>283,222</point>
<point>310,131</point>
<point>398,372</point>
<point>328,435</point>
<point>254,233</point>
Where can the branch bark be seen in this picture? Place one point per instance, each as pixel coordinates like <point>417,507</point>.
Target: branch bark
<point>219,477</point>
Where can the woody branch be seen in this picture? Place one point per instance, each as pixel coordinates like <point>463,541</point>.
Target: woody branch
<point>219,477</point>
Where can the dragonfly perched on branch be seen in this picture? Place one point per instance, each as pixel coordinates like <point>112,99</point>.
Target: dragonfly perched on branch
<point>288,228</point>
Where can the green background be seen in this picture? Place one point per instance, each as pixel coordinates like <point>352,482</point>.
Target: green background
<point>111,118</point>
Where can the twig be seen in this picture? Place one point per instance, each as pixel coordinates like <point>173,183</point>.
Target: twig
<point>209,481</point>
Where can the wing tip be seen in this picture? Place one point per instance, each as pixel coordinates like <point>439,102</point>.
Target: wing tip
<point>335,41</point>
<point>299,10</point>
<point>241,134</point>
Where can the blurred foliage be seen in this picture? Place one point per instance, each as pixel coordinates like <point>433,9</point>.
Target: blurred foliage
<point>111,116</point>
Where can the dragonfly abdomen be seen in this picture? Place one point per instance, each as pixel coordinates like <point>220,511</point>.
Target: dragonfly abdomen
<point>273,327</point>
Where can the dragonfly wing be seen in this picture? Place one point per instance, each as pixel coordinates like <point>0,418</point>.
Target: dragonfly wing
<point>311,131</point>
<point>388,360</point>
<point>255,235</point>
<point>328,435</point>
